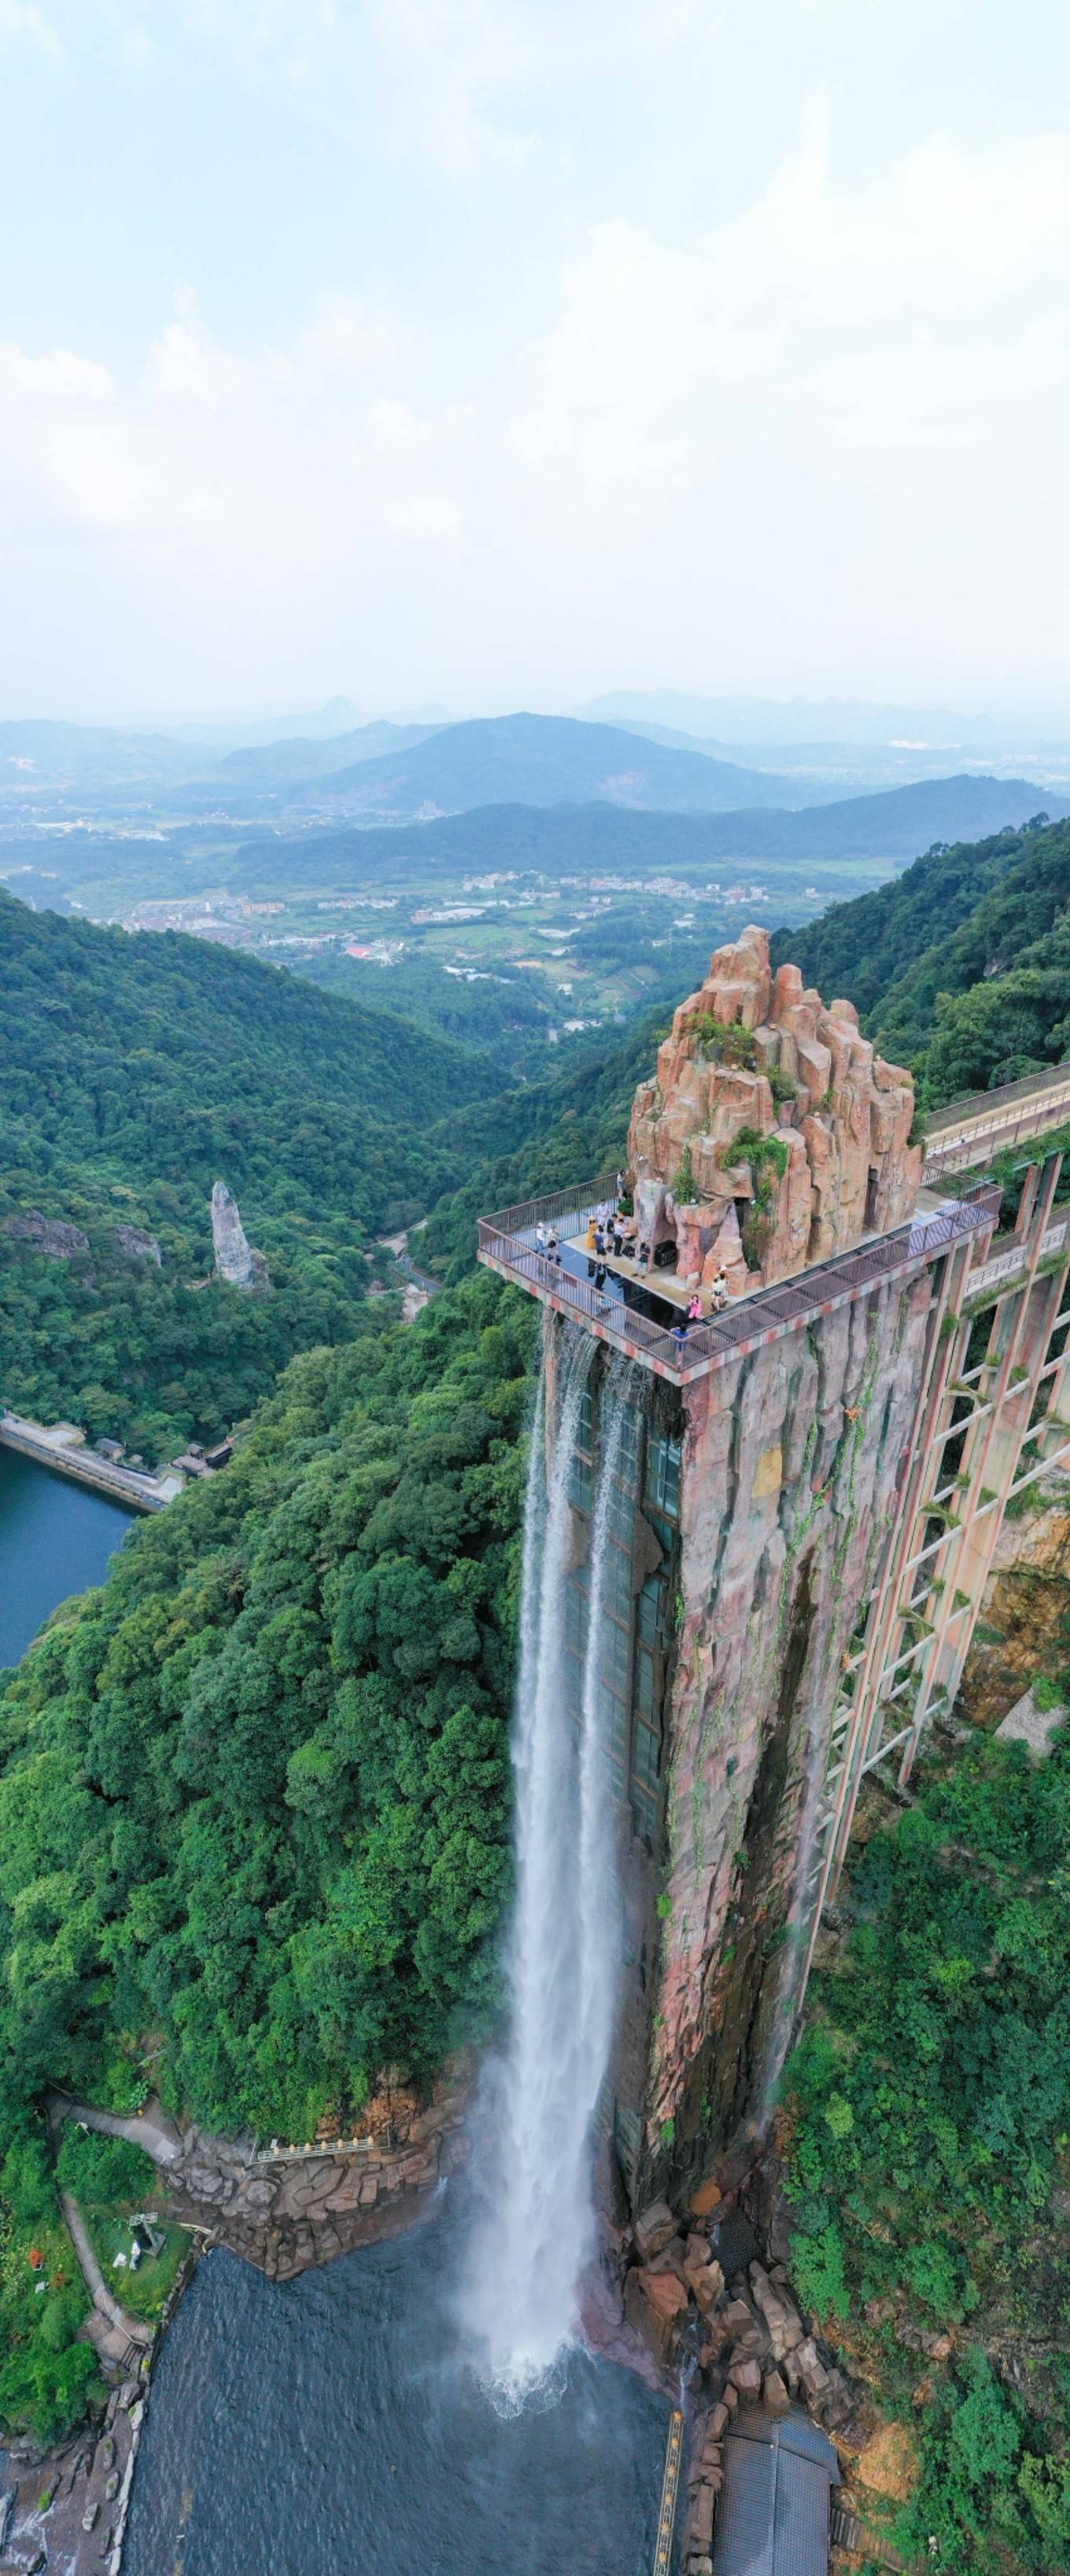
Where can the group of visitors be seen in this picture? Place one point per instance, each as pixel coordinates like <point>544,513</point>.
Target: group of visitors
<point>612,1236</point>
<point>547,1243</point>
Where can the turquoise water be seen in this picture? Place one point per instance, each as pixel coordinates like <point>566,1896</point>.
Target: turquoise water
<point>56,1538</point>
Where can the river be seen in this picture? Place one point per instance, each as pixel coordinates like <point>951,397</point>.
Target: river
<point>329,2427</point>
<point>56,1538</point>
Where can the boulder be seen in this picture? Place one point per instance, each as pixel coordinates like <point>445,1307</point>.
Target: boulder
<point>653,2303</point>
<point>706,2284</point>
<point>739,2323</point>
<point>671,2259</point>
<point>746,2377</point>
<point>774,2394</point>
<point>137,1245</point>
<point>655,2228</point>
<point>47,1234</point>
<point>813,2376</point>
<point>700,2525</point>
<point>705,2199</point>
<point>782,2318</point>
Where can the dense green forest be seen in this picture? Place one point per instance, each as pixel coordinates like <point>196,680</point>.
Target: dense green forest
<point>254,1790</point>
<point>930,2109</point>
<point>138,1069</point>
<point>928,2106</point>
<point>961,967</point>
<point>505,1013</point>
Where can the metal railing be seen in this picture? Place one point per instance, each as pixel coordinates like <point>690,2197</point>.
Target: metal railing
<point>579,1201</point>
<point>755,1319</point>
<point>990,1122</point>
<point>976,1103</point>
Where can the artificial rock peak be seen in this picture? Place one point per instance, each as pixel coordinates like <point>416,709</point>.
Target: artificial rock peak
<point>770,1106</point>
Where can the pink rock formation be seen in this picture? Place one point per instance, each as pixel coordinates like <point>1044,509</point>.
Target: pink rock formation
<point>759,1053</point>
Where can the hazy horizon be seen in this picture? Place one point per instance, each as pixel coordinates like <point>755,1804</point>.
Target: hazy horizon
<point>492,354</point>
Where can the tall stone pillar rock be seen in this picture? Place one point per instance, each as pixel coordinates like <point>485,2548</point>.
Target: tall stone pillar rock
<point>236,1260</point>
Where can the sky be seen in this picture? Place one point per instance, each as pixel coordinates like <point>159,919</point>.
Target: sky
<point>492,353</point>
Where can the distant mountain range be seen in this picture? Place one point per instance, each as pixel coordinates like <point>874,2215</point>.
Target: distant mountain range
<point>760,722</point>
<point>405,774</point>
<point>38,753</point>
<point>566,840</point>
<point>276,764</point>
<point>548,760</point>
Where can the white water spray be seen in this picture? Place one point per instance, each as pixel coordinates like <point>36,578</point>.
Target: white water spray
<point>538,2231</point>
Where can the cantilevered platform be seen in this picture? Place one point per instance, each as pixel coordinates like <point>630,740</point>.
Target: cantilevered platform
<point>631,1317</point>
<point>640,1315</point>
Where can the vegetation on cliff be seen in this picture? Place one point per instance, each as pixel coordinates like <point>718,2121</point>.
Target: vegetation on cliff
<point>930,2100</point>
<point>928,2106</point>
<point>961,967</point>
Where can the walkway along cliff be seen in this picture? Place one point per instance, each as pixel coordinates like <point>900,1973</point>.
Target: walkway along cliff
<point>807,1489</point>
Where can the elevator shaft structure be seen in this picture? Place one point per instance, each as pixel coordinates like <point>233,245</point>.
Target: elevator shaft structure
<point>806,1524</point>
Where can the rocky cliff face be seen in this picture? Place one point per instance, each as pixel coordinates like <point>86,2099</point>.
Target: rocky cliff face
<point>46,1234</point>
<point>1025,1613</point>
<point>790,1473</point>
<point>137,1245</point>
<point>819,1124</point>
<point>235,1259</point>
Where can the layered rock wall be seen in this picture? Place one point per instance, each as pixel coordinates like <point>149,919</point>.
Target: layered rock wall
<point>792,1464</point>
<point>822,1126</point>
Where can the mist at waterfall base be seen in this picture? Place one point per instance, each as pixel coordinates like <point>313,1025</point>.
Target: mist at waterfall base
<point>534,2149</point>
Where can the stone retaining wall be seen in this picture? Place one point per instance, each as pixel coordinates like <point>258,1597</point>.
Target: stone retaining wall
<point>286,2213</point>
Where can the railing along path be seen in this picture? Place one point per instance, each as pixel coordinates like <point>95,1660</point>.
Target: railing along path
<point>504,1243</point>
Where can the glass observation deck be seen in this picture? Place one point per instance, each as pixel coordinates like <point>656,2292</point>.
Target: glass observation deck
<point>645,1315</point>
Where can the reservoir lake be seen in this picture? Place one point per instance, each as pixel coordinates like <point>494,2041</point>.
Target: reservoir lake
<point>56,1537</point>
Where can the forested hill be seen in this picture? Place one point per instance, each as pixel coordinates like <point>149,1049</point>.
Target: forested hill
<point>254,1791</point>
<point>136,1070</point>
<point>202,1027</point>
<point>961,967</point>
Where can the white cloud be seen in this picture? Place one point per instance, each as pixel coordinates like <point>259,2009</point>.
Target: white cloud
<point>19,18</point>
<point>186,364</point>
<point>468,73</point>
<point>60,375</point>
<point>348,331</point>
<point>395,429</point>
<point>809,322</point>
<point>229,469</point>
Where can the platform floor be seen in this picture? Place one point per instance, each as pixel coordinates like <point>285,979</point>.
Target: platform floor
<point>661,1286</point>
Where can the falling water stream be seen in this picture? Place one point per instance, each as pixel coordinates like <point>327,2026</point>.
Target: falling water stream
<point>538,2229</point>
<point>335,2421</point>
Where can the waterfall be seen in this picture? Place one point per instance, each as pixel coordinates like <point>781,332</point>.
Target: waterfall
<point>537,2231</point>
